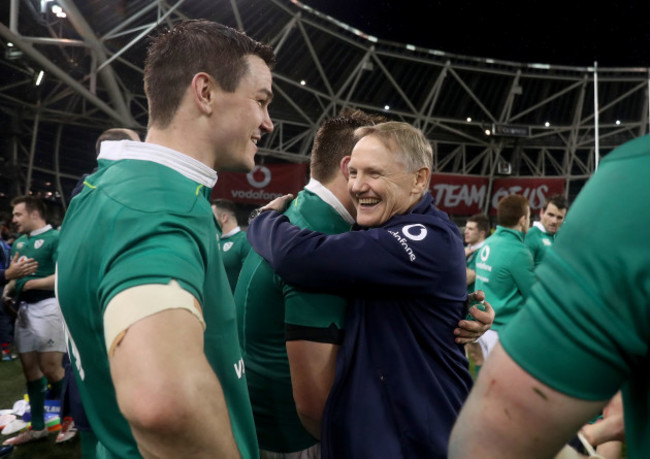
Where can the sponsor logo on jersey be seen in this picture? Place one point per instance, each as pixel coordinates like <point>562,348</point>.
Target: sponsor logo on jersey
<point>415,232</point>
<point>546,242</point>
<point>227,246</point>
<point>485,253</point>
<point>240,368</point>
<point>265,180</point>
<point>39,243</point>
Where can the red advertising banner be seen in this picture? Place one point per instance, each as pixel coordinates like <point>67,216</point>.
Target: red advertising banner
<point>262,184</point>
<point>467,194</point>
<point>535,189</point>
<point>459,194</point>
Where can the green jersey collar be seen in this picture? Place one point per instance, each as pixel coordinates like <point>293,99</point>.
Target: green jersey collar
<point>143,151</point>
<point>328,197</point>
<point>42,230</point>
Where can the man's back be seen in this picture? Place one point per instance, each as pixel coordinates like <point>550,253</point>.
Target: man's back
<point>538,241</point>
<point>138,223</point>
<point>504,271</point>
<point>265,304</point>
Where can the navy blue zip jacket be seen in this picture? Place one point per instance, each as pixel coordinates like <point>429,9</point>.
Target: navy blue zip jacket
<point>400,377</point>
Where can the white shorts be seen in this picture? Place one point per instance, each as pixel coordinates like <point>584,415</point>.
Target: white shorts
<point>313,452</point>
<point>487,341</point>
<point>39,327</point>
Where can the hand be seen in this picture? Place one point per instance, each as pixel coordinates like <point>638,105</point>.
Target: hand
<point>18,269</point>
<point>8,292</point>
<point>470,330</point>
<point>278,204</point>
<point>611,427</point>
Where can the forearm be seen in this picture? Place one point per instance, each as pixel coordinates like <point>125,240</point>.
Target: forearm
<point>471,275</point>
<point>173,401</point>
<point>198,428</point>
<point>509,414</point>
<point>42,283</point>
<point>313,367</point>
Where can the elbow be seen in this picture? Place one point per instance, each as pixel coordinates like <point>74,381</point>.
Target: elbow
<point>152,409</point>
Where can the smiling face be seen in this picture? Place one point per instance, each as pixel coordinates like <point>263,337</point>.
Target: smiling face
<point>241,117</point>
<point>552,218</point>
<point>379,183</point>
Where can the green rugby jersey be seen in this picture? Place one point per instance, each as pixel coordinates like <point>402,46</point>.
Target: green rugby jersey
<point>234,249</point>
<point>41,245</point>
<point>538,241</point>
<point>584,330</point>
<point>470,262</point>
<point>265,305</point>
<point>144,218</point>
<point>504,271</point>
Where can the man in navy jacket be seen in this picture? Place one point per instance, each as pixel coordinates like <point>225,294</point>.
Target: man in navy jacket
<point>401,378</point>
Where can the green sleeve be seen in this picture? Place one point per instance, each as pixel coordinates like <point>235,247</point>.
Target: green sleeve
<point>156,254</point>
<point>313,309</point>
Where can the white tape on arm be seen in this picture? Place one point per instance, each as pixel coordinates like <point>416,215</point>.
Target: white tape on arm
<point>136,303</point>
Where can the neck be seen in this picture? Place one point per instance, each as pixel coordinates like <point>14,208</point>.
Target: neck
<point>228,227</point>
<point>175,137</point>
<point>339,188</point>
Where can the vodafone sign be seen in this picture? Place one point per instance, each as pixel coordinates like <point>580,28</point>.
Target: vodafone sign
<point>262,184</point>
<point>468,195</point>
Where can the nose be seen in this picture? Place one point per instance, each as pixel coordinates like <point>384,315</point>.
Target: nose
<point>267,124</point>
<point>357,184</point>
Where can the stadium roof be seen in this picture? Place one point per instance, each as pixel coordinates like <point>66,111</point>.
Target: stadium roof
<point>91,65</point>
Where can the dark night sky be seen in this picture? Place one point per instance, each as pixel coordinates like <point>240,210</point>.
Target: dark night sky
<point>615,33</point>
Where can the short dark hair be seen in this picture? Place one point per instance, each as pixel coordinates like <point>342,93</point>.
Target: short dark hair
<point>558,200</point>
<point>32,203</point>
<point>482,222</point>
<point>226,205</point>
<point>335,140</point>
<point>511,209</point>
<point>192,46</point>
<point>114,134</point>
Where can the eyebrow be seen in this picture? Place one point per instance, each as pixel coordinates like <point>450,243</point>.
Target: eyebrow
<point>267,93</point>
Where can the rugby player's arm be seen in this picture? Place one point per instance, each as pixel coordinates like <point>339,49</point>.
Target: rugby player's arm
<point>471,275</point>
<point>312,366</point>
<point>42,283</point>
<point>171,398</point>
<point>510,414</point>
<point>523,272</point>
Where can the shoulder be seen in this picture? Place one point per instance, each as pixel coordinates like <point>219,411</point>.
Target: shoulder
<point>148,187</point>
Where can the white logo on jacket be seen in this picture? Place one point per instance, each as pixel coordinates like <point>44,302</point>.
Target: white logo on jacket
<point>415,232</point>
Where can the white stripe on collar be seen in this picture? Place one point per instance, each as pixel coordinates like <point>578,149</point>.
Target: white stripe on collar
<point>232,232</point>
<point>142,151</point>
<point>40,230</point>
<point>477,246</point>
<point>326,195</point>
<point>539,226</point>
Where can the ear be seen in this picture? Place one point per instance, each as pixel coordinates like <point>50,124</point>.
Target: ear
<point>202,92</point>
<point>522,220</point>
<point>344,167</point>
<point>421,180</point>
